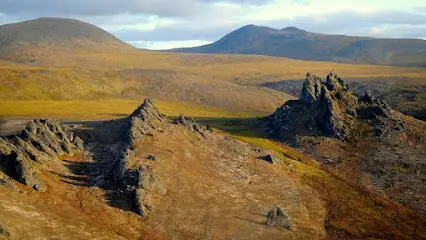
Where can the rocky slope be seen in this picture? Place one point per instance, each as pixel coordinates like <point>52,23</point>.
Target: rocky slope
<point>365,140</point>
<point>147,176</point>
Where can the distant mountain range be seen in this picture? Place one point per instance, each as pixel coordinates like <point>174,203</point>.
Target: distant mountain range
<point>295,43</point>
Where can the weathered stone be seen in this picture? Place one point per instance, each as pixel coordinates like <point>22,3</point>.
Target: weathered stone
<point>192,125</point>
<point>41,139</point>
<point>325,109</point>
<point>277,218</point>
<point>79,143</point>
<point>149,180</point>
<point>142,202</point>
<point>310,89</point>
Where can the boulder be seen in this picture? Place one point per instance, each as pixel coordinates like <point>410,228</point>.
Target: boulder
<point>277,218</point>
<point>150,181</point>
<point>270,158</point>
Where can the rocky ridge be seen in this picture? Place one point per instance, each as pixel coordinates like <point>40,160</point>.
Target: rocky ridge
<point>132,176</point>
<point>42,140</point>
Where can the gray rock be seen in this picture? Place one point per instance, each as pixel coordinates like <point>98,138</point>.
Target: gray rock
<point>79,143</point>
<point>270,158</point>
<point>149,180</point>
<point>142,202</point>
<point>310,89</point>
<point>41,139</point>
<point>192,125</point>
<point>277,218</point>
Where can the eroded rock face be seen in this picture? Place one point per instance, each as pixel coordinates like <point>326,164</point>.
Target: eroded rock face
<point>41,140</point>
<point>324,109</point>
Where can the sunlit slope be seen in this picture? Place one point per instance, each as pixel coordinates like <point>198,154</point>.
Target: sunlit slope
<point>217,80</point>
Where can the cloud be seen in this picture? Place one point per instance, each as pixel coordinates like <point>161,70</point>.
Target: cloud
<point>159,23</point>
<point>161,45</point>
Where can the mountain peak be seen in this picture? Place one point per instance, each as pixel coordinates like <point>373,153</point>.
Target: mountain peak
<point>292,29</point>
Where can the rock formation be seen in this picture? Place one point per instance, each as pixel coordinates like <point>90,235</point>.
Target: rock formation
<point>139,178</point>
<point>324,109</point>
<point>41,140</point>
<point>192,125</point>
<point>277,218</point>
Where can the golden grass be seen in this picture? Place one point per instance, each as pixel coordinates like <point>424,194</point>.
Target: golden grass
<point>107,109</point>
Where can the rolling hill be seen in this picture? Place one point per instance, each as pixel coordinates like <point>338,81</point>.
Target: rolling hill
<point>295,43</point>
<point>84,63</point>
<point>56,33</point>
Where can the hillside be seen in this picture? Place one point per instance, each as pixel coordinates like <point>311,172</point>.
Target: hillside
<point>146,176</point>
<point>77,73</point>
<point>295,43</point>
<point>56,33</point>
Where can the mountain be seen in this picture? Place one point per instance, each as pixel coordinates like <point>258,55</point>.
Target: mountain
<point>295,43</point>
<point>55,33</point>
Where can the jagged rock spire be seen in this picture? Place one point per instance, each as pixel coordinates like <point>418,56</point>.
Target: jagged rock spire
<point>310,88</point>
<point>324,108</point>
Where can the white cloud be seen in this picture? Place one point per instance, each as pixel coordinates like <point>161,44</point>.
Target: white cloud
<point>164,45</point>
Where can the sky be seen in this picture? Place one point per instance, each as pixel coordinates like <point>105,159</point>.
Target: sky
<point>165,24</point>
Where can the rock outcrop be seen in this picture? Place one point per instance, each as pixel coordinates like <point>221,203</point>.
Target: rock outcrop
<point>133,175</point>
<point>277,218</point>
<point>149,180</point>
<point>324,109</point>
<point>141,123</point>
<point>193,126</point>
<point>41,140</point>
